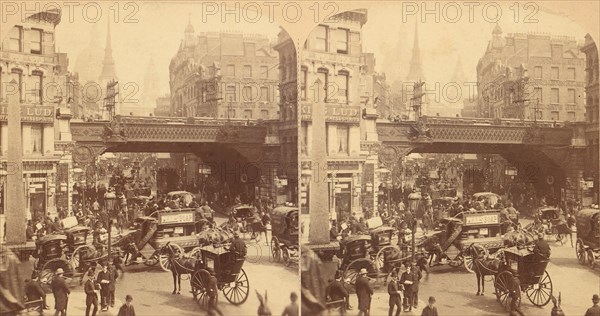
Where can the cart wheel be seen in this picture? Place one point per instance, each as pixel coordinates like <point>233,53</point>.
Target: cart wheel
<point>49,268</point>
<point>78,256</point>
<point>285,255</point>
<point>275,249</point>
<point>237,292</point>
<point>539,294</point>
<point>590,258</point>
<point>163,259</point>
<point>390,252</point>
<point>481,251</point>
<point>502,283</point>
<point>198,283</point>
<point>580,249</point>
<point>352,270</point>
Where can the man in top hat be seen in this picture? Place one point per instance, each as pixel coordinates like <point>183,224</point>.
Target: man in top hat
<point>407,279</point>
<point>595,309</point>
<point>395,292</point>
<point>336,291</point>
<point>238,246</point>
<point>364,293</point>
<point>61,293</point>
<point>34,290</point>
<point>104,280</point>
<point>541,247</point>
<point>91,295</point>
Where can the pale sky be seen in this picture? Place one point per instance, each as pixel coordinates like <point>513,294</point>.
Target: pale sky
<point>442,43</point>
<point>158,34</point>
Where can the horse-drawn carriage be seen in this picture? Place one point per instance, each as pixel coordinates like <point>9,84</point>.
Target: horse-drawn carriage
<point>588,236</point>
<point>231,277</point>
<point>248,220</point>
<point>553,223</point>
<point>284,240</point>
<point>530,269</point>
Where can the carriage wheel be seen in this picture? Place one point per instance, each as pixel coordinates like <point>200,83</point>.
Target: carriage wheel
<point>78,256</point>
<point>198,283</point>
<point>539,294</point>
<point>351,271</point>
<point>468,262</point>
<point>590,258</point>
<point>580,249</point>
<point>163,259</point>
<point>501,285</point>
<point>237,292</point>
<point>49,268</point>
<point>285,254</point>
<point>389,250</point>
<point>275,249</point>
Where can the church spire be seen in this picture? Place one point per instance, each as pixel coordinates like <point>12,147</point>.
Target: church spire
<point>108,65</point>
<point>415,72</point>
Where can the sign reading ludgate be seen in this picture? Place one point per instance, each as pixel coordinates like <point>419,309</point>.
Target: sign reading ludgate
<point>334,113</point>
<point>31,113</point>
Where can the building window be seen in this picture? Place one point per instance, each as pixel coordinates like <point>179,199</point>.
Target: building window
<point>264,114</point>
<point>537,72</point>
<point>570,73</point>
<point>344,86</point>
<point>16,39</point>
<point>554,73</point>
<point>36,41</point>
<point>554,116</point>
<point>17,75</point>
<point>342,41</point>
<point>38,78</point>
<point>230,94</point>
<point>571,96</point>
<point>342,139</point>
<point>539,114</point>
<point>321,37</point>
<point>537,93</point>
<point>264,94</point>
<point>554,96</point>
<point>303,82</point>
<point>247,94</point>
<point>571,116</point>
<point>304,135</point>
<point>37,138</point>
<point>247,114</point>
<point>264,72</point>
<point>231,70</point>
<point>321,88</point>
<point>247,71</point>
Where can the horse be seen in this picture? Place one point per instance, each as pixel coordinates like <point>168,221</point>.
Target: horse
<point>179,266</point>
<point>263,309</point>
<point>482,266</point>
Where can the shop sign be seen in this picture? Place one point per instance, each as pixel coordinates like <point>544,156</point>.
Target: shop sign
<point>334,113</point>
<point>31,113</point>
<point>177,218</point>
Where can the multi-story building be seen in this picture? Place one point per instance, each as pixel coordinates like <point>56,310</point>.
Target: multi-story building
<point>337,75</point>
<point>287,133</point>
<point>224,75</point>
<point>29,64</point>
<point>163,106</point>
<point>592,110</point>
<point>551,66</point>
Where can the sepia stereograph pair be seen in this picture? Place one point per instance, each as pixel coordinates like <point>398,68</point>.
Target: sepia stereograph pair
<point>299,158</point>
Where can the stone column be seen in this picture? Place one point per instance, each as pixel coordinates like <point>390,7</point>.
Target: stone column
<point>15,199</point>
<point>318,206</point>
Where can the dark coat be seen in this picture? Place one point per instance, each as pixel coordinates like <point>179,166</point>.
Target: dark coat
<point>126,310</point>
<point>337,291</point>
<point>364,292</point>
<point>593,311</point>
<point>34,291</point>
<point>61,293</point>
<point>90,295</point>
<point>414,276</point>
<point>429,311</point>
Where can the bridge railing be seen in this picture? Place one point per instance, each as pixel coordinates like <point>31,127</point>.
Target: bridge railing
<point>440,120</point>
<point>209,121</point>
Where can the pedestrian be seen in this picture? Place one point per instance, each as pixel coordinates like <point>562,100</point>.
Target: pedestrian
<point>127,308</point>
<point>34,290</point>
<point>417,275</point>
<point>595,309</point>
<point>292,309</point>
<point>407,281</point>
<point>213,296</point>
<point>515,294</point>
<point>61,293</point>
<point>336,291</point>
<point>104,280</point>
<point>395,292</point>
<point>91,294</point>
<point>112,278</point>
<point>364,292</point>
<point>430,309</point>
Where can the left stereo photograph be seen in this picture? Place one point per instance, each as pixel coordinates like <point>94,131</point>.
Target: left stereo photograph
<point>149,161</point>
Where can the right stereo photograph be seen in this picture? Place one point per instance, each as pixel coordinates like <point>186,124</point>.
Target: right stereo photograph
<point>448,164</point>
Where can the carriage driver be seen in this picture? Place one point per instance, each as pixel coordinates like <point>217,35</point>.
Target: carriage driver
<point>238,246</point>
<point>541,247</point>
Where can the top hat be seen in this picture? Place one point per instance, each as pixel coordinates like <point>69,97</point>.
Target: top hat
<point>596,298</point>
